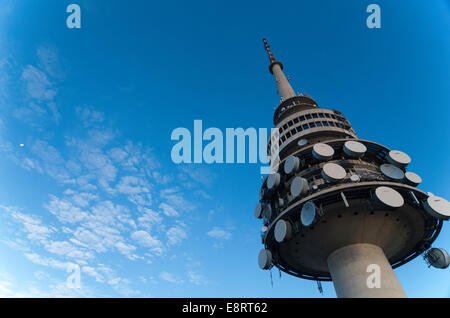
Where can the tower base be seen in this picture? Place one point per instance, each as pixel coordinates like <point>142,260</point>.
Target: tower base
<point>363,271</point>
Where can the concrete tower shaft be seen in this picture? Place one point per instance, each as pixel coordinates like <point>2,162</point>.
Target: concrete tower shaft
<point>348,266</point>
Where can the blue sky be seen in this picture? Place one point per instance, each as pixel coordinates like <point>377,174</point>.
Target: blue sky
<point>94,108</point>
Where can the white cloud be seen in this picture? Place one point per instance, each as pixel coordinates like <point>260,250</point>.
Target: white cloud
<point>219,234</point>
<point>201,175</point>
<point>67,249</point>
<point>176,234</point>
<point>92,272</point>
<point>145,239</point>
<point>132,185</point>
<point>117,154</point>
<point>87,238</point>
<point>196,278</point>
<point>47,261</point>
<point>168,210</point>
<point>82,199</point>
<point>141,199</point>
<point>148,218</point>
<point>106,200</point>
<point>31,225</point>
<point>49,61</point>
<point>89,116</point>
<point>65,211</point>
<point>38,85</point>
<point>51,160</point>
<point>127,250</point>
<point>175,198</point>
<point>170,278</point>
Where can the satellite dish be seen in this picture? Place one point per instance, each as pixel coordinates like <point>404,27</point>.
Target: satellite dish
<point>389,197</point>
<point>308,213</point>
<point>267,213</point>
<point>265,259</point>
<point>283,231</point>
<point>398,158</point>
<point>355,178</point>
<point>258,210</point>
<point>437,257</point>
<point>437,207</point>
<point>322,151</point>
<point>273,180</point>
<point>392,172</point>
<point>299,186</point>
<point>412,179</point>
<point>354,149</point>
<point>291,164</point>
<point>302,142</point>
<point>333,172</point>
<point>264,229</point>
<point>263,233</point>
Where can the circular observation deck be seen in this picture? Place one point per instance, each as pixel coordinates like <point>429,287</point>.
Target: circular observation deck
<point>346,209</point>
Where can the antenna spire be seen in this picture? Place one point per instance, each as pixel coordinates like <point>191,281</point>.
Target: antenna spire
<point>276,68</point>
<point>272,58</point>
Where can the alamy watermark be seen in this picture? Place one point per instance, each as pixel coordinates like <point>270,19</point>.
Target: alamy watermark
<point>73,21</point>
<point>374,279</point>
<point>209,146</point>
<point>374,19</point>
<point>74,279</point>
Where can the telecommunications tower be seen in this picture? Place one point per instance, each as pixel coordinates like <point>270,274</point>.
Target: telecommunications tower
<point>336,207</point>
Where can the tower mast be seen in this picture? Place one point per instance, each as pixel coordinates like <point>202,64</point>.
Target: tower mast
<point>276,68</point>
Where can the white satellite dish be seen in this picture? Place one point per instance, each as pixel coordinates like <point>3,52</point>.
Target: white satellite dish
<point>354,149</point>
<point>302,142</point>
<point>392,172</point>
<point>412,179</point>
<point>398,158</point>
<point>258,210</point>
<point>437,207</point>
<point>273,180</point>
<point>322,151</point>
<point>389,197</point>
<point>283,231</point>
<point>299,186</point>
<point>308,213</point>
<point>333,172</point>
<point>355,178</point>
<point>264,259</point>
<point>291,165</point>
